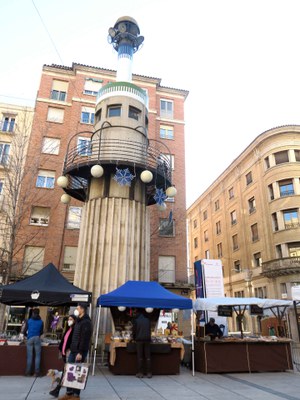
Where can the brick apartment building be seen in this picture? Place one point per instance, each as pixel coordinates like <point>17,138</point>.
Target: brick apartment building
<point>65,106</point>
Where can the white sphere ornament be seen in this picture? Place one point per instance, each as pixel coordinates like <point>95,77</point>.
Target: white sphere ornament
<point>121,308</point>
<point>162,207</point>
<point>62,181</point>
<point>149,310</point>
<point>146,176</point>
<point>65,198</point>
<point>97,171</point>
<point>171,191</point>
<point>176,310</point>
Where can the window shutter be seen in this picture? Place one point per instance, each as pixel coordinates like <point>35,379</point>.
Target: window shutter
<point>92,86</point>
<point>61,86</point>
<point>55,114</point>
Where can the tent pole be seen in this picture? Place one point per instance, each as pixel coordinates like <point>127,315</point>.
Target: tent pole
<point>96,339</point>
<point>193,343</point>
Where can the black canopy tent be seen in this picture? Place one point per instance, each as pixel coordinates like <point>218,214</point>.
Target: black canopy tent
<point>48,287</point>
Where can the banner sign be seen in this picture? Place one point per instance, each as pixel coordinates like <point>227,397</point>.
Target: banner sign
<point>225,311</point>
<point>198,279</point>
<point>255,310</point>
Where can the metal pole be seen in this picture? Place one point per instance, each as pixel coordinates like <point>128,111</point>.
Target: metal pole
<point>96,339</point>
<point>296,315</point>
<point>193,343</point>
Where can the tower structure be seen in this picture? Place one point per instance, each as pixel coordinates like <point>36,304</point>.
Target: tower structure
<point>117,174</point>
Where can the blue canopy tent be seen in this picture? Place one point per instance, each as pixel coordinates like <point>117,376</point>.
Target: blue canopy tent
<point>141,294</point>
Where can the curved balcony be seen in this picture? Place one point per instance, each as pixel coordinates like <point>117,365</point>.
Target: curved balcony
<point>114,153</point>
<point>281,267</point>
<point>121,89</point>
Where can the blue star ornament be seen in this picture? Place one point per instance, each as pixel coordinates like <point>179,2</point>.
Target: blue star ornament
<point>160,196</point>
<point>123,177</point>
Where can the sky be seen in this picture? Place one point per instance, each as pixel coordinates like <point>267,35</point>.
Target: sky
<point>239,60</point>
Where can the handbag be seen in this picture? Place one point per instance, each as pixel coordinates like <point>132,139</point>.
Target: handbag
<point>75,375</point>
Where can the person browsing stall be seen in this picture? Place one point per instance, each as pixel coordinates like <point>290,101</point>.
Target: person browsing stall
<point>213,330</point>
<point>34,329</point>
<point>142,336</point>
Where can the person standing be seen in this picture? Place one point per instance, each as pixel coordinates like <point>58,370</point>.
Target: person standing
<point>213,330</point>
<point>80,344</point>
<point>34,330</point>
<point>142,336</point>
<point>64,348</point>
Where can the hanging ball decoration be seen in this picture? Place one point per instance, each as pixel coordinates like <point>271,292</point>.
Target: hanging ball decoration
<point>162,207</point>
<point>121,308</point>
<point>97,171</point>
<point>65,198</point>
<point>62,181</point>
<point>149,310</point>
<point>146,176</point>
<point>175,310</point>
<point>171,191</point>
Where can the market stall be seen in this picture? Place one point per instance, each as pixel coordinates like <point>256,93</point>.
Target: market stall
<point>248,353</point>
<point>45,288</point>
<point>166,351</point>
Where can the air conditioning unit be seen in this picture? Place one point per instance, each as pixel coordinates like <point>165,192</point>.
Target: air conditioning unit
<point>284,295</point>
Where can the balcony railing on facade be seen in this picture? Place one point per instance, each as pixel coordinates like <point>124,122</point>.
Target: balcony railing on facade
<point>281,266</point>
<point>119,88</point>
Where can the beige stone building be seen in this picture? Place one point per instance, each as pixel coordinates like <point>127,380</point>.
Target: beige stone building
<point>249,218</point>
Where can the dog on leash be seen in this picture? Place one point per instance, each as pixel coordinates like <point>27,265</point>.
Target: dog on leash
<point>55,375</point>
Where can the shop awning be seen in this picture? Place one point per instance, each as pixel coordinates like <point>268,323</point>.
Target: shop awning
<point>212,304</point>
<point>47,287</point>
<point>143,294</point>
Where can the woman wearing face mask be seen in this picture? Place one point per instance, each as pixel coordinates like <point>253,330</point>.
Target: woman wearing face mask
<point>64,348</point>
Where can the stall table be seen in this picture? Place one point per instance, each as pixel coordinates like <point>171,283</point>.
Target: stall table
<point>242,356</point>
<point>165,358</point>
<point>15,360</point>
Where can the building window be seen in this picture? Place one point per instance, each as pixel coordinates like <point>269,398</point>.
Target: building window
<point>231,193</point>
<point>166,269</point>
<point>59,90</point>
<point>239,293</point>
<point>170,159</point>
<point>166,109</point>
<point>33,259</point>
<point>283,289</point>
<point>195,223</point>
<point>50,145</point>
<point>254,232</point>
<point>8,124</point>
<point>290,218</point>
<point>286,187</point>
<point>114,111</point>
<point>251,205</point>
<point>170,200</point>
<point>87,115</point>
<point>195,243</point>
<point>233,219</point>
<point>281,157</point>
<point>271,191</point>
<point>84,146</point>
<point>92,86</point>
<point>45,179</point>
<point>98,115</point>
<point>134,113</point>
<point>4,153</point>
<point>70,256</point>
<point>294,249</point>
<point>55,115</point>
<point>1,186</point>
<point>278,251</point>
<point>217,205</point>
<point>40,216</point>
<point>237,266</point>
<point>218,227</point>
<point>261,292</point>
<point>219,250</point>
<point>267,163</point>
<point>74,217</point>
<point>204,215</point>
<point>249,178</point>
<point>166,132</point>
<point>257,259</point>
<point>297,155</point>
<point>166,227</point>
<point>235,244</point>
<point>206,254</point>
<point>275,222</point>
<point>205,233</point>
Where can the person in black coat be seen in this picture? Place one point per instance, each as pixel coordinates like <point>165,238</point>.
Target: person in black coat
<point>142,336</point>
<point>64,348</point>
<point>213,330</point>
<point>80,344</point>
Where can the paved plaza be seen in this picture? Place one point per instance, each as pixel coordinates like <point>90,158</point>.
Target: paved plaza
<point>105,386</point>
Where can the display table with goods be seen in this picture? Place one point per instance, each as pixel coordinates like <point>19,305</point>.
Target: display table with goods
<point>243,355</point>
<point>167,351</point>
